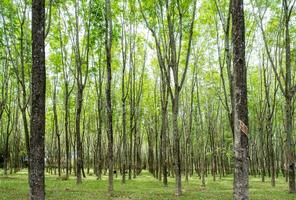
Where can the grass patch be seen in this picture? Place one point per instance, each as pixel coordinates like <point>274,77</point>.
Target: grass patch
<point>144,187</point>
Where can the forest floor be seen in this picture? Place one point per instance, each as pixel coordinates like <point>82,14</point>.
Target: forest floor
<point>144,187</point>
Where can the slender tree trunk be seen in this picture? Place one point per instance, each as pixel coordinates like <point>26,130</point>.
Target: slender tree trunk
<point>6,154</point>
<point>78,137</point>
<point>6,148</point>
<point>27,134</point>
<point>131,121</point>
<point>123,99</point>
<point>226,28</point>
<point>189,134</point>
<point>164,125</point>
<point>81,81</point>
<point>134,112</point>
<point>269,124</point>
<point>99,89</point>
<point>156,164</point>
<point>108,46</point>
<point>176,146</point>
<point>17,140</point>
<point>79,98</point>
<point>24,105</point>
<point>68,158</point>
<point>56,126</point>
<point>66,100</point>
<point>130,142</point>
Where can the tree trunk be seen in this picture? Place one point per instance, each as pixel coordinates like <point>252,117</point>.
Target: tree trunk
<point>81,81</point>
<point>68,158</point>
<point>24,93</point>
<point>56,126</point>
<point>123,99</point>
<point>6,148</point>
<point>269,124</point>
<point>241,109</point>
<point>164,125</point>
<point>17,140</point>
<point>66,100</point>
<point>288,102</point>
<point>6,155</point>
<point>78,137</point>
<point>99,123</point>
<point>108,46</point>
<point>36,173</point>
<point>176,146</point>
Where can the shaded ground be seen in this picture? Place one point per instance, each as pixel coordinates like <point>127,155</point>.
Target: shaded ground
<point>144,187</point>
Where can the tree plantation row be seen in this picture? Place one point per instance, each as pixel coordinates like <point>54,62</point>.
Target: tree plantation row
<point>180,88</point>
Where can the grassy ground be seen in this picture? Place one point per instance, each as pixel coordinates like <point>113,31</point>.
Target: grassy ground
<point>15,187</point>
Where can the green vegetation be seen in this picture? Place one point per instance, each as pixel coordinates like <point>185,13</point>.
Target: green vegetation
<point>173,94</point>
<point>16,187</point>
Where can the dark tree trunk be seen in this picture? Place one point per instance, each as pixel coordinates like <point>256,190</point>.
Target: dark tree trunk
<point>241,110</point>
<point>288,101</point>
<point>134,122</point>
<point>156,164</point>
<point>17,140</point>
<point>66,106</point>
<point>164,125</point>
<point>81,81</point>
<point>226,29</point>
<point>78,137</point>
<point>68,158</point>
<point>131,135</point>
<point>6,148</point>
<point>98,151</point>
<point>124,164</point>
<point>56,126</point>
<point>79,98</point>
<point>24,105</point>
<point>67,132</point>
<point>149,132</point>
<point>123,99</point>
<point>108,46</point>
<point>269,125</point>
<point>8,111</point>
<point>176,143</point>
<point>66,99</point>
<point>132,114</point>
<point>36,174</point>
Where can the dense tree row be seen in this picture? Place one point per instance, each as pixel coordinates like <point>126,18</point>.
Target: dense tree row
<point>175,87</point>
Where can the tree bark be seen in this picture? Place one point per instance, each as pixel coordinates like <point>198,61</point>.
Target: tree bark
<point>108,46</point>
<point>288,101</point>
<point>66,98</point>
<point>123,100</point>
<point>99,88</point>
<point>164,125</point>
<point>81,81</point>
<point>79,97</point>
<point>241,110</point>
<point>36,174</point>
<point>56,126</point>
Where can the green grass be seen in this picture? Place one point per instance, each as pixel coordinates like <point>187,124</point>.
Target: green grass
<point>144,187</point>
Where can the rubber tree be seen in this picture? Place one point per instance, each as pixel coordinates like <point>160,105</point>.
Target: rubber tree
<point>38,85</point>
<point>240,106</point>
